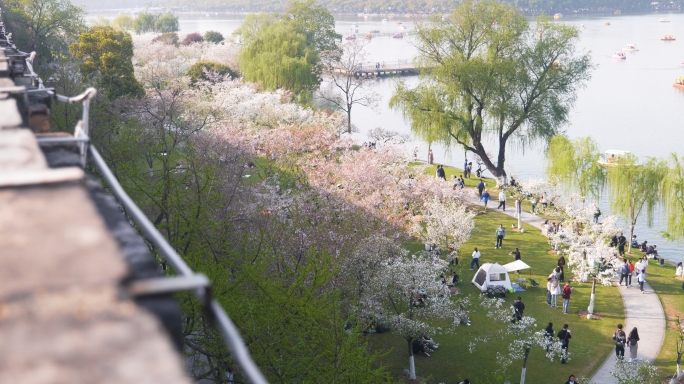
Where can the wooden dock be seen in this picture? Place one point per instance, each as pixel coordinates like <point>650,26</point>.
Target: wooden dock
<point>394,68</point>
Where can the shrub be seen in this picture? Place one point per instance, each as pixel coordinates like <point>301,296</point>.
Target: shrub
<point>169,38</point>
<point>193,38</point>
<point>196,71</point>
<point>213,37</point>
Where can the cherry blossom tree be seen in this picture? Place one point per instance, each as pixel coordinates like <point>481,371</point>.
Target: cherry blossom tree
<point>408,296</point>
<point>523,335</point>
<point>446,224</point>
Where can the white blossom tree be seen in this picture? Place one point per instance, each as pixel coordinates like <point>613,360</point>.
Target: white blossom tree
<point>407,296</point>
<point>636,372</point>
<point>446,224</point>
<point>522,334</point>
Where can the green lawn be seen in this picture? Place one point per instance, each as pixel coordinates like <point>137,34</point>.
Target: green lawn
<point>591,341</point>
<point>669,290</point>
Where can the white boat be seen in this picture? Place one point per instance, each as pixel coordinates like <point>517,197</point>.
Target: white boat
<point>611,157</point>
<point>619,55</point>
<point>350,37</point>
<point>354,26</point>
<point>402,27</point>
<point>664,20</point>
<point>385,20</point>
<point>631,48</point>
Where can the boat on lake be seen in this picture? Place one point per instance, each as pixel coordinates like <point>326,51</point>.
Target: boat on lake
<point>631,48</point>
<point>354,26</point>
<point>375,31</point>
<point>679,82</point>
<point>402,27</point>
<point>557,16</point>
<point>385,21</point>
<point>369,36</point>
<point>607,22</point>
<point>668,38</point>
<point>350,37</point>
<point>611,157</point>
<point>398,36</point>
<point>619,55</point>
<point>664,20</point>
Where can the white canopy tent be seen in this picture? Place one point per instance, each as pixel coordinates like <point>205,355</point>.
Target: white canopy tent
<point>516,266</point>
<point>490,275</point>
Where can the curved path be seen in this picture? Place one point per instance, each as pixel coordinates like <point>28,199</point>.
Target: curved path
<point>643,311</point>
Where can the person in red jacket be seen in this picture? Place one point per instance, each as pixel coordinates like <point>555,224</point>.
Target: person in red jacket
<point>631,272</point>
<point>566,292</point>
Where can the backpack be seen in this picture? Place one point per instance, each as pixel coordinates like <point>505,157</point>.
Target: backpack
<point>619,339</point>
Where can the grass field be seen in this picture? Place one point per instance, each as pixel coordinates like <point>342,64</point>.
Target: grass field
<point>453,362</point>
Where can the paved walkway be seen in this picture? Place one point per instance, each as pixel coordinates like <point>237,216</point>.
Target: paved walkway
<point>643,311</point>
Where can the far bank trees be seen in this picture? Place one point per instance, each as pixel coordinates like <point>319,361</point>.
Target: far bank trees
<point>496,80</point>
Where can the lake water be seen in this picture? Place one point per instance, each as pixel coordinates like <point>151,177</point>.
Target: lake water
<point>628,104</point>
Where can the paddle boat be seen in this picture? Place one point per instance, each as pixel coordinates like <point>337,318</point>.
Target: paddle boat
<point>375,31</point>
<point>557,16</point>
<point>617,12</point>
<point>385,21</point>
<point>402,27</point>
<point>679,82</point>
<point>611,157</point>
<point>398,36</point>
<point>619,55</point>
<point>631,48</point>
<point>354,26</point>
<point>664,20</point>
<point>668,38</point>
<point>607,22</point>
<point>369,36</point>
<point>350,37</point>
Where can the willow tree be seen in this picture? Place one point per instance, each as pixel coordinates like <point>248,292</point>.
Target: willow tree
<point>635,188</point>
<point>493,77</point>
<point>673,198</point>
<point>280,56</point>
<point>575,164</point>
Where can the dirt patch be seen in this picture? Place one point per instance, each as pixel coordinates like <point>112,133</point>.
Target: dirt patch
<point>595,315</point>
<point>552,252</point>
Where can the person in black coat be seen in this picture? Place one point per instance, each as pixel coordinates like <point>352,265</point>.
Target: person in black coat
<point>564,336</point>
<point>571,380</point>
<point>518,309</point>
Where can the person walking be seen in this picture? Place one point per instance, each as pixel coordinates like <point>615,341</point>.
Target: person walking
<point>633,342</point>
<point>469,169</point>
<point>431,157</point>
<point>554,290</point>
<point>624,273</point>
<point>480,188</point>
<point>631,272</point>
<point>571,380</point>
<point>620,340</point>
<point>564,336</point>
<point>476,259</point>
<point>597,213</point>
<point>502,200</point>
<point>485,198</point>
<point>622,241</point>
<point>500,234</point>
<point>518,309</point>
<point>548,333</point>
<point>534,204</point>
<point>566,292</point>
<point>641,279</point>
<point>561,265</point>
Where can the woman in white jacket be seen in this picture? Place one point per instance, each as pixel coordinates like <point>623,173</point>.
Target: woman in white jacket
<point>554,289</point>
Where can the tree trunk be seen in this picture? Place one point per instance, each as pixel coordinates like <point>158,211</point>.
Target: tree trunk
<point>524,368</point>
<point>680,373</point>
<point>590,309</point>
<point>412,364</point>
<point>349,119</point>
<point>631,236</point>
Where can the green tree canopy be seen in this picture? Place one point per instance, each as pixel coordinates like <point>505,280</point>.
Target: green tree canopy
<point>281,57</point>
<point>213,37</point>
<point>123,21</point>
<point>105,54</point>
<point>316,22</point>
<point>673,198</point>
<point>575,164</point>
<point>166,23</point>
<point>196,71</point>
<point>494,77</point>
<point>634,188</point>
<point>44,26</point>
